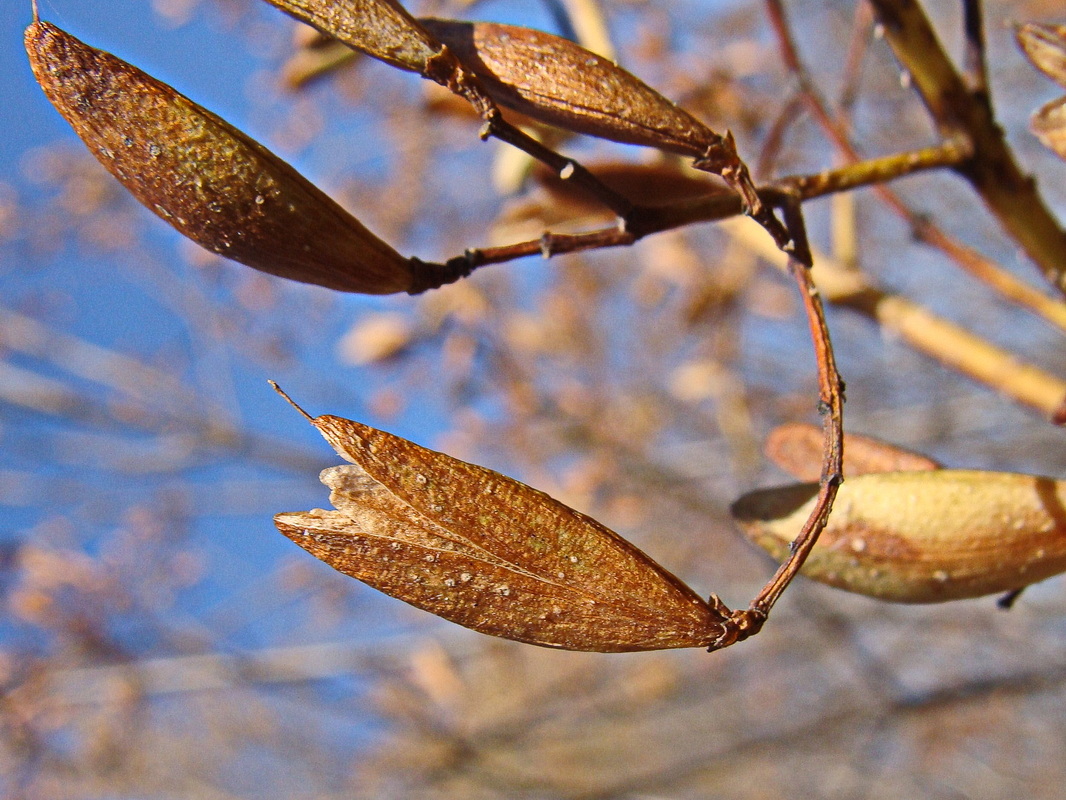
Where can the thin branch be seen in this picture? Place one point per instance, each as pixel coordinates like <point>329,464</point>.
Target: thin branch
<point>646,220</point>
<point>567,168</point>
<point>830,406</point>
<point>748,621</point>
<point>862,25</point>
<point>875,171</point>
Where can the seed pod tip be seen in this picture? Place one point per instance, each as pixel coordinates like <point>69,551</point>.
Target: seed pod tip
<point>290,401</point>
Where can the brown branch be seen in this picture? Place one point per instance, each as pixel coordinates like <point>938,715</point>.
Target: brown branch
<point>749,621</point>
<point>830,406</point>
<point>568,168</point>
<point>646,220</point>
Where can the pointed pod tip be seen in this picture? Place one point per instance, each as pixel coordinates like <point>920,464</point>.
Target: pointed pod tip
<point>290,401</point>
<point>283,522</point>
<point>33,33</point>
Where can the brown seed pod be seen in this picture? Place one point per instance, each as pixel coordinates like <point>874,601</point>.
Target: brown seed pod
<point>1048,124</point>
<point>490,553</point>
<point>922,537</point>
<point>1045,47</point>
<point>796,447</point>
<point>208,180</point>
<point>558,82</point>
<point>380,28</point>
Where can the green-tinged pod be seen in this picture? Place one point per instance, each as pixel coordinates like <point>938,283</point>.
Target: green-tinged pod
<point>796,447</point>
<point>380,28</point>
<point>1045,47</point>
<point>208,180</point>
<point>558,82</point>
<point>921,537</point>
<point>490,553</point>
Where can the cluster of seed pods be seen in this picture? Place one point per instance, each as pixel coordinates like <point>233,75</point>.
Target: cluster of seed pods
<point>462,541</point>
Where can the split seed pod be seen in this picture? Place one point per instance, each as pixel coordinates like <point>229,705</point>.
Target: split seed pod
<point>490,553</point>
<point>922,537</point>
<point>797,449</point>
<point>556,81</point>
<point>208,180</point>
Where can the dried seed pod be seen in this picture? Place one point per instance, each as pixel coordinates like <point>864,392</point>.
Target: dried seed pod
<point>649,184</point>
<point>380,28</point>
<point>1048,124</point>
<point>922,537</point>
<point>490,553</point>
<point>556,81</point>
<point>1045,47</point>
<point>797,448</point>
<point>208,180</point>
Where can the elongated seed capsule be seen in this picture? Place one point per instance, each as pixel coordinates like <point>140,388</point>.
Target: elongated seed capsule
<point>490,553</point>
<point>557,81</point>
<point>208,180</point>
<point>922,537</point>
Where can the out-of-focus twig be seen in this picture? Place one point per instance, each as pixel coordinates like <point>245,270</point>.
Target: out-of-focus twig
<point>130,376</point>
<point>976,62</point>
<point>155,394</point>
<point>992,171</point>
<point>861,27</point>
<point>924,229</point>
<point>928,333</point>
<point>590,27</point>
